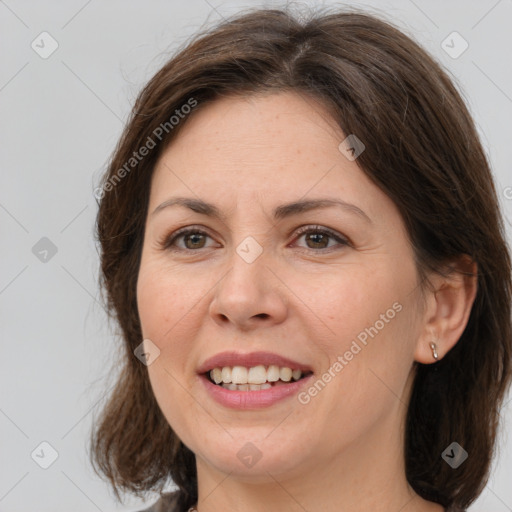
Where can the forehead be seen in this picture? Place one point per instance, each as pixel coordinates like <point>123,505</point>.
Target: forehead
<point>280,134</point>
<point>272,149</point>
<point>263,123</point>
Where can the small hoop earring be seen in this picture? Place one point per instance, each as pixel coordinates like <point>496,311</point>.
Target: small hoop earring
<point>434,350</point>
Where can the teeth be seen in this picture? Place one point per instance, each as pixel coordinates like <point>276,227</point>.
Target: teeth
<point>238,374</point>
<point>285,374</point>
<point>216,375</point>
<point>226,374</point>
<point>296,374</point>
<point>246,387</point>
<point>257,377</point>
<point>273,373</point>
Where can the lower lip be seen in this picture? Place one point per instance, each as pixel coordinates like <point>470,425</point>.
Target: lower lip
<point>253,399</point>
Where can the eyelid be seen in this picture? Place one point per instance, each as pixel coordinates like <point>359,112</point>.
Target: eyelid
<point>341,239</point>
<point>168,239</point>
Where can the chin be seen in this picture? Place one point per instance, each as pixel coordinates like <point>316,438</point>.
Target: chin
<point>253,455</point>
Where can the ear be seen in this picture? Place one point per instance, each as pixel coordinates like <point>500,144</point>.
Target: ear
<point>448,306</point>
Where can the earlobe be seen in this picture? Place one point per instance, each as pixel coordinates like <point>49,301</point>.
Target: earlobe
<point>433,346</point>
<point>450,305</point>
<point>428,348</point>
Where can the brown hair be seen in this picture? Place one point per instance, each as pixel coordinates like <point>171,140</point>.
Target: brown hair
<point>422,150</point>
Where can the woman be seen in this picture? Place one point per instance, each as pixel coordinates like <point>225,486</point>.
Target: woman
<point>301,242</point>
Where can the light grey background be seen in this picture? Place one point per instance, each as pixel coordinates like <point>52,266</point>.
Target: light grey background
<point>61,117</point>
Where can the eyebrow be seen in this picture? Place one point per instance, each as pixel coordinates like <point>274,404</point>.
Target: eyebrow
<point>280,212</point>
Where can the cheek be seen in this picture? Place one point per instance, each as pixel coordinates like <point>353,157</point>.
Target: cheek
<point>163,299</point>
<point>369,315</point>
<point>346,303</point>
<point>171,393</point>
<point>163,313</point>
<point>163,305</point>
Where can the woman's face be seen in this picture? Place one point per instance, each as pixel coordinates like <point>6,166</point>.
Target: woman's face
<point>339,302</point>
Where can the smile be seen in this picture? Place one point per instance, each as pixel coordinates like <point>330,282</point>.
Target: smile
<point>255,378</point>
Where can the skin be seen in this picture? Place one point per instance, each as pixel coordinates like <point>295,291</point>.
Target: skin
<point>305,298</point>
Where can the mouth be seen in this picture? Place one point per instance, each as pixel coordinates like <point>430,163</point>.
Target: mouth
<point>255,378</point>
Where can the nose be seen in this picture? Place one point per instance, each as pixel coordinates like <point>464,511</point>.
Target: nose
<point>250,295</point>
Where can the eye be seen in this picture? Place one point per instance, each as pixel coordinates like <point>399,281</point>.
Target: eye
<point>320,237</point>
<point>193,238</point>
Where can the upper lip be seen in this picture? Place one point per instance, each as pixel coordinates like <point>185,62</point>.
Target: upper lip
<point>249,360</point>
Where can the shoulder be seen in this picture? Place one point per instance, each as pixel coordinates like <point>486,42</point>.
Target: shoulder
<point>166,503</point>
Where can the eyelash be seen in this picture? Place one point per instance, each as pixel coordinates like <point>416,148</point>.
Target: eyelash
<point>168,241</point>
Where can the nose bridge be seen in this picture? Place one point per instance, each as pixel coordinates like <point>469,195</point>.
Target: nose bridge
<point>247,271</point>
<point>249,288</point>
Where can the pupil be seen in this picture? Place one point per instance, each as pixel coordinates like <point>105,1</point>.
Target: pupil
<point>190,237</point>
<point>316,235</point>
